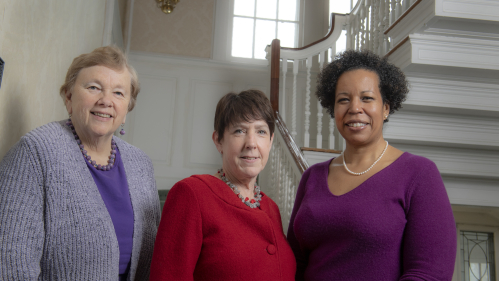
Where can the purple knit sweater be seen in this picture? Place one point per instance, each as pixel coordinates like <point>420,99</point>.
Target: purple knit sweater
<point>397,225</point>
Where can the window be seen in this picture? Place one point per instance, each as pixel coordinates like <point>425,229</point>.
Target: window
<point>341,7</point>
<point>477,256</point>
<point>256,23</point>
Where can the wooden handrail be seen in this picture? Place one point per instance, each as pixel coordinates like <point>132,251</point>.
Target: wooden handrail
<point>290,143</point>
<point>321,150</point>
<point>318,41</point>
<point>397,46</point>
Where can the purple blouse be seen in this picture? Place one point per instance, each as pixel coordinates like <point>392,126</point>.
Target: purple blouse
<point>113,188</point>
<point>397,225</point>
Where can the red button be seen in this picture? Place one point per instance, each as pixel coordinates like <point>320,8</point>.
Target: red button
<point>271,249</point>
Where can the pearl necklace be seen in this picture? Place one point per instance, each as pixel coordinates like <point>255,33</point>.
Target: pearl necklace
<point>253,203</point>
<point>87,157</point>
<point>358,174</point>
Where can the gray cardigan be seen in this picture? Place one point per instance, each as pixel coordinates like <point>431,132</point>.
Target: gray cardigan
<point>54,224</point>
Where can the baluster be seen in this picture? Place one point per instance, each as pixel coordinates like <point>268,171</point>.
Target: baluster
<point>376,27</point>
<point>319,125</point>
<point>362,31</point>
<point>350,36</point>
<point>331,133</point>
<point>291,192</point>
<point>332,51</point>
<point>319,108</point>
<point>321,59</point>
<point>407,4</point>
<point>386,46</point>
<point>293,109</point>
<point>286,187</point>
<point>278,182</point>
<point>306,139</point>
<point>398,9</point>
<point>294,188</point>
<point>283,100</point>
<point>357,32</point>
<point>281,179</point>
<point>392,12</point>
<point>369,25</point>
<point>272,164</point>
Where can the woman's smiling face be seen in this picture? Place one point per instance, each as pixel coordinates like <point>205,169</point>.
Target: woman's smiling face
<point>99,101</point>
<point>359,110</point>
<point>245,149</point>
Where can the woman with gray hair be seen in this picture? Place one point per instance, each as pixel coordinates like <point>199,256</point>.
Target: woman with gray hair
<point>77,203</point>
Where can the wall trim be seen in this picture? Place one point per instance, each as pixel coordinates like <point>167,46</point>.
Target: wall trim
<point>429,127</point>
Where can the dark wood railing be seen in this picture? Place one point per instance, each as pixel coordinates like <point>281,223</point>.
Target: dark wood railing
<point>290,144</point>
<point>274,100</point>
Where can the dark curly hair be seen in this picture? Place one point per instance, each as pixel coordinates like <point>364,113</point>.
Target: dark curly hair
<point>393,85</point>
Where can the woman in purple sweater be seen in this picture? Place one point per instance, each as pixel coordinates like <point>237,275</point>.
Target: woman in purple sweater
<point>375,212</point>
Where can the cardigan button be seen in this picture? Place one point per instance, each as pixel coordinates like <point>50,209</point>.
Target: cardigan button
<point>271,249</point>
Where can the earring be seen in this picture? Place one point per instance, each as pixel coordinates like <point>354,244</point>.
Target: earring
<point>122,131</point>
<point>70,116</point>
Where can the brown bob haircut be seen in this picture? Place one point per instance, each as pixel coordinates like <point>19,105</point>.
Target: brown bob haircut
<point>109,56</point>
<point>246,106</point>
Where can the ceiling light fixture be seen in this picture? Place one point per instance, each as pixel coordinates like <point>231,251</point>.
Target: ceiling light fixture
<point>167,6</point>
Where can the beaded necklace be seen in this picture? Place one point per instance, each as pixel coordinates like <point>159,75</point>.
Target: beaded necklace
<point>253,203</point>
<point>361,173</point>
<point>112,157</point>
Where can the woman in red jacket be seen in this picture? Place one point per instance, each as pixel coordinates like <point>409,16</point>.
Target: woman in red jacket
<point>221,226</point>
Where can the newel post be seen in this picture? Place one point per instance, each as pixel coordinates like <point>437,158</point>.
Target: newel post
<point>275,55</point>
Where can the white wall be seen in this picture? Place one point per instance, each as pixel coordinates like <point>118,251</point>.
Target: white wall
<point>173,119</point>
<point>38,41</point>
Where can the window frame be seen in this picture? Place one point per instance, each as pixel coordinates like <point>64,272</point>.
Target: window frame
<point>223,25</point>
<point>475,228</point>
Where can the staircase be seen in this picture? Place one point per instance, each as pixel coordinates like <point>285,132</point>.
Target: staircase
<point>449,51</point>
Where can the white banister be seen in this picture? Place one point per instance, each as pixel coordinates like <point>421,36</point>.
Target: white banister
<point>284,71</point>
<point>306,140</point>
<point>321,59</point>
<point>365,29</point>
<point>331,133</point>
<point>362,30</point>
<point>375,27</point>
<point>392,11</point>
<point>319,125</point>
<point>398,10</point>
<point>294,106</point>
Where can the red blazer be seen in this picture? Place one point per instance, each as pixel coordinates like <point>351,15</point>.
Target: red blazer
<point>207,233</point>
